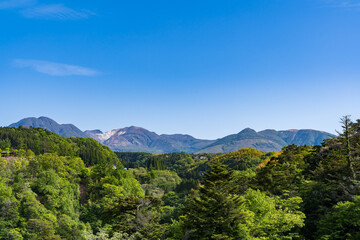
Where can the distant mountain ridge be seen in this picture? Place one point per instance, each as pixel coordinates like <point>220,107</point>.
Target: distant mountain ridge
<point>137,139</point>
<point>266,140</point>
<point>65,130</point>
<point>131,139</point>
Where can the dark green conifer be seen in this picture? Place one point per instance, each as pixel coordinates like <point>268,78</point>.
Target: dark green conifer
<point>214,213</point>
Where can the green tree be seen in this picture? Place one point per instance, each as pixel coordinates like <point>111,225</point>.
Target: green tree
<point>284,172</point>
<point>270,218</point>
<point>214,213</point>
<point>346,136</point>
<point>5,143</point>
<point>40,229</point>
<point>343,222</point>
<point>135,215</point>
<point>242,159</point>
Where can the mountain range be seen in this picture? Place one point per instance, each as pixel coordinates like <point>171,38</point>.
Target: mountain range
<point>137,139</point>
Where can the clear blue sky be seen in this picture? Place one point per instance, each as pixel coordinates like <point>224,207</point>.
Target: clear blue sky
<point>206,68</point>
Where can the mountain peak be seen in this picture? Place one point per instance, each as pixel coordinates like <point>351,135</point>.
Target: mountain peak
<point>65,130</point>
<point>94,131</point>
<point>45,118</point>
<point>292,130</point>
<point>247,131</point>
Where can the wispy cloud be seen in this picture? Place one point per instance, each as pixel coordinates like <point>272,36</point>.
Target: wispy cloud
<point>31,9</point>
<point>55,11</point>
<point>55,69</point>
<point>343,3</point>
<point>16,3</point>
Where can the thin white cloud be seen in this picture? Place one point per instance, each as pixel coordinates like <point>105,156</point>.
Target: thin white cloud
<point>343,3</point>
<point>55,69</point>
<point>16,3</point>
<point>55,11</point>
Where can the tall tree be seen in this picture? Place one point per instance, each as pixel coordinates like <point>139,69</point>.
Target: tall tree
<point>346,135</point>
<point>214,213</point>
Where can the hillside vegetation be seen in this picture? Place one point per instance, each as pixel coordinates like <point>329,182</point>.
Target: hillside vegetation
<point>52,187</point>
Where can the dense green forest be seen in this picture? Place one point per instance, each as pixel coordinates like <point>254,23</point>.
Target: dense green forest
<point>53,187</point>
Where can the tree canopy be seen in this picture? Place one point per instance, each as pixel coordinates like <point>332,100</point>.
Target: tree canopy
<point>53,187</point>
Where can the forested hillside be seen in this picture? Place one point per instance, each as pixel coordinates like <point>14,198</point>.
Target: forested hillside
<point>40,141</point>
<point>52,187</point>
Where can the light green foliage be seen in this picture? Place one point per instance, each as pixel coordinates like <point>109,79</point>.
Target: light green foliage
<point>40,194</point>
<point>69,228</point>
<point>41,141</point>
<point>176,230</point>
<point>57,194</point>
<point>173,204</point>
<point>103,235</point>
<point>242,159</point>
<point>108,183</point>
<point>66,167</point>
<point>111,181</point>
<point>141,174</point>
<point>45,196</point>
<point>157,182</point>
<point>216,210</point>
<point>133,215</point>
<point>242,179</point>
<point>343,222</point>
<point>14,234</point>
<point>8,208</point>
<point>335,175</point>
<point>270,217</point>
<point>41,229</point>
<point>284,172</point>
<point>5,143</point>
<point>166,180</point>
<point>74,188</point>
<point>5,191</point>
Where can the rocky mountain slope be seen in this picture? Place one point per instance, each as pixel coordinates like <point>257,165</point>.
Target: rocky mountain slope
<point>141,140</point>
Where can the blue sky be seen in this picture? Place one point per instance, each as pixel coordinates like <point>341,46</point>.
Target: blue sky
<point>205,68</point>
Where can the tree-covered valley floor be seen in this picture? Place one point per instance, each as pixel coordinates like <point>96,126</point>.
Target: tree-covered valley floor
<point>53,187</point>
